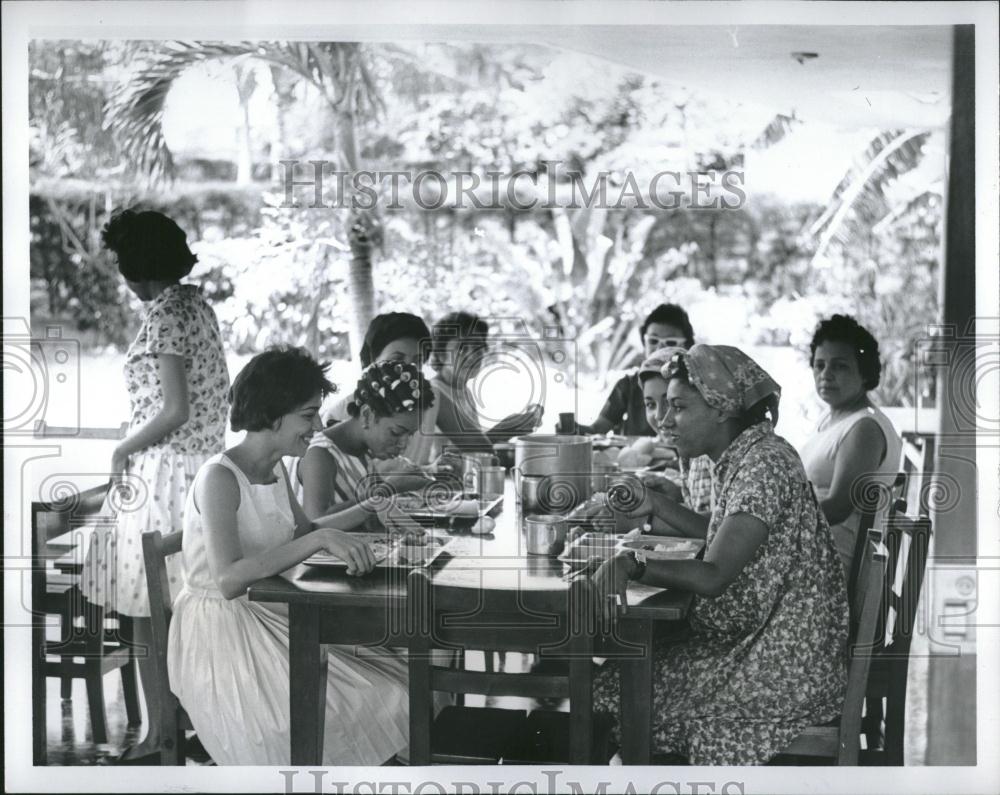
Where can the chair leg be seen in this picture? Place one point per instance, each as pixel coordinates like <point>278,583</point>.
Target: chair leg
<point>93,617</point>
<point>130,689</point>
<point>171,736</point>
<point>871,724</point>
<point>895,724</point>
<point>66,636</point>
<point>95,699</point>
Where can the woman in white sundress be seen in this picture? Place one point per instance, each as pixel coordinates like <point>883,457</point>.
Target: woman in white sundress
<point>228,656</point>
<point>177,380</point>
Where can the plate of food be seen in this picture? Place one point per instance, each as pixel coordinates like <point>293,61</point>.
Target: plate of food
<point>666,547</point>
<point>460,509</point>
<point>588,546</point>
<point>408,550</point>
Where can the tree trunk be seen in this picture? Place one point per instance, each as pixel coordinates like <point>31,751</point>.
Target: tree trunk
<point>245,84</point>
<point>361,236</point>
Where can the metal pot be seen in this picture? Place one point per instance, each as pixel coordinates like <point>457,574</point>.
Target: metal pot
<point>547,494</point>
<point>563,461</point>
<point>545,534</point>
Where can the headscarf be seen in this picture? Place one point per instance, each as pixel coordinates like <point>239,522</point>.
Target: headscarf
<point>658,360</point>
<point>726,378</point>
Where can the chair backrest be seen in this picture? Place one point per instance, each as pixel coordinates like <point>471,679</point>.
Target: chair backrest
<point>907,541</point>
<point>558,623</point>
<point>862,646</point>
<point>156,548</point>
<point>918,467</point>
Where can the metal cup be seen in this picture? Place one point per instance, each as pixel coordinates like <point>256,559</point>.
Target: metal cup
<point>490,481</point>
<point>545,534</point>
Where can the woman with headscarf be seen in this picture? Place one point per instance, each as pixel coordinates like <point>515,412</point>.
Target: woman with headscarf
<point>766,652</point>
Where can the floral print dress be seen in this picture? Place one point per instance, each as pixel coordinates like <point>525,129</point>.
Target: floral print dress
<point>178,322</point>
<point>768,657</point>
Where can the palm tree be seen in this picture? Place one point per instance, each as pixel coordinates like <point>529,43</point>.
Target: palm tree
<point>340,70</point>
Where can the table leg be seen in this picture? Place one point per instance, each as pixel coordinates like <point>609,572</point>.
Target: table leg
<point>636,694</point>
<point>307,666</point>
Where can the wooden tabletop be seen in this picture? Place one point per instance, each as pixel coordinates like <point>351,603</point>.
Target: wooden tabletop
<point>498,560</point>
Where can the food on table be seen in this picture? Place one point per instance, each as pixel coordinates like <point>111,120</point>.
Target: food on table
<point>414,549</point>
<point>484,525</point>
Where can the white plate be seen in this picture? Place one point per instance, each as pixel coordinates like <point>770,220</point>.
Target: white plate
<point>386,551</point>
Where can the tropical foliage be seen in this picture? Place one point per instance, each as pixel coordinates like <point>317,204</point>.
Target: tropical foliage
<point>771,267</point>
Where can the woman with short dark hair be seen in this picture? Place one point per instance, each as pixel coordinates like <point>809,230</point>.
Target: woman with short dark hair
<point>228,656</point>
<point>855,449</point>
<point>177,379</point>
<point>766,652</point>
<point>667,326</point>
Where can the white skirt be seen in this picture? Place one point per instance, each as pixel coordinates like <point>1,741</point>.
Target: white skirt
<point>114,575</point>
<point>228,665</point>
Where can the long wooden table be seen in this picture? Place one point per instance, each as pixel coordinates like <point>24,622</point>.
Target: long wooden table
<point>325,606</point>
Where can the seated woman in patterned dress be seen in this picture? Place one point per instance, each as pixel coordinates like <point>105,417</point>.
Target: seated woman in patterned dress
<point>766,652</point>
<point>338,471</point>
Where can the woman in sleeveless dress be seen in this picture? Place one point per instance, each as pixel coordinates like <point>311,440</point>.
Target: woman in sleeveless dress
<point>338,471</point>
<point>177,379</point>
<point>854,450</point>
<point>228,656</point>
<point>394,337</point>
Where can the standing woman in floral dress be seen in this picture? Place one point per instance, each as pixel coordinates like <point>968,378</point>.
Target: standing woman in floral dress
<point>177,380</point>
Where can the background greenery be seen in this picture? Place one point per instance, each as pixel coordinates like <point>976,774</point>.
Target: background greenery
<point>760,275</point>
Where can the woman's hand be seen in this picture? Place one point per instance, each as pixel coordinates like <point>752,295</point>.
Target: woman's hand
<point>120,461</point>
<point>610,583</point>
<point>355,553</point>
<point>630,497</point>
<point>662,485</point>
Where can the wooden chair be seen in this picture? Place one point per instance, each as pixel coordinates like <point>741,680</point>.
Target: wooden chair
<point>98,649</point>
<point>841,740</point>
<point>174,721</point>
<point>908,541</point>
<point>917,470</point>
<point>551,623</point>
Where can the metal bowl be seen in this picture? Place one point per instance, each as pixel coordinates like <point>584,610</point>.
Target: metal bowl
<point>545,534</point>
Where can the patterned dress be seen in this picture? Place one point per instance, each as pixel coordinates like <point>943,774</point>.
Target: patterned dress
<point>352,472</point>
<point>768,657</point>
<point>178,322</point>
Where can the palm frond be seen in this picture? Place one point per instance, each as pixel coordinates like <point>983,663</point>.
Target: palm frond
<point>779,127</point>
<point>134,111</point>
<point>859,201</point>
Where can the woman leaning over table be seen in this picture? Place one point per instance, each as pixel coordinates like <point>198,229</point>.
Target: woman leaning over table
<point>766,652</point>
<point>394,337</point>
<point>339,469</point>
<point>854,446</point>
<point>227,656</point>
<point>176,375</point>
